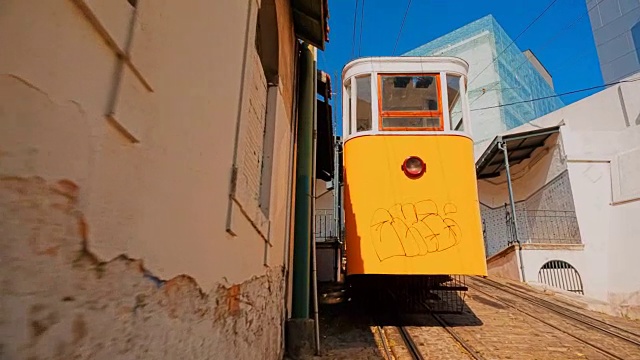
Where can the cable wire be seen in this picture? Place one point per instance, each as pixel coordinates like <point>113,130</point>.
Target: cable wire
<point>355,20</point>
<point>514,40</point>
<point>544,46</point>
<point>401,27</point>
<point>558,95</point>
<point>361,21</point>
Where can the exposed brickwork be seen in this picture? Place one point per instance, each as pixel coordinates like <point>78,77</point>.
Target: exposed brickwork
<point>59,301</point>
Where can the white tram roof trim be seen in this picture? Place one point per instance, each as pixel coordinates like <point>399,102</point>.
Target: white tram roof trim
<point>405,64</point>
<point>406,133</point>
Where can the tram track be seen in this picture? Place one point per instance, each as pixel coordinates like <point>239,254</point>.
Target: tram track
<point>411,345</point>
<point>457,338</point>
<point>580,321</point>
<point>600,325</point>
<point>407,334</point>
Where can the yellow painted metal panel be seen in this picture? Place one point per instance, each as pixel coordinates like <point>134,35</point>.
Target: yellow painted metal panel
<point>398,225</point>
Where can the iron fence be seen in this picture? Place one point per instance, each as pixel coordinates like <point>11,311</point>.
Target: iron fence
<point>544,227</point>
<point>562,275</point>
<point>325,226</point>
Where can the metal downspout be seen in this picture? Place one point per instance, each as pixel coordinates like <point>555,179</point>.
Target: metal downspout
<point>287,241</point>
<point>336,207</point>
<point>503,146</point>
<point>303,196</point>
<point>314,272</point>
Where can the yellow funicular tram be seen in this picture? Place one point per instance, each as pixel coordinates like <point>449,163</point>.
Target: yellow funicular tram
<point>412,217</point>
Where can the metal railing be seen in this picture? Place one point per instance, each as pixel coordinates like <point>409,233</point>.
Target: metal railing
<point>562,275</point>
<point>325,229</point>
<point>544,227</point>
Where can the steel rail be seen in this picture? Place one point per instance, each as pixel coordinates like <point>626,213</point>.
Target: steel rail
<point>385,345</point>
<point>457,338</point>
<point>597,347</point>
<point>411,345</point>
<point>568,313</point>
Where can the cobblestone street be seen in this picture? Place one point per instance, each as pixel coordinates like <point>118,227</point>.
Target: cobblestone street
<point>494,324</point>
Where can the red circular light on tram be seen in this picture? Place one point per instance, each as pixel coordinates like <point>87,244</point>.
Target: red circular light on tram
<point>413,167</point>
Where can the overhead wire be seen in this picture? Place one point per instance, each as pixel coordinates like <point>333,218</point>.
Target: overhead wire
<point>361,22</point>
<point>558,95</point>
<point>569,60</point>
<point>404,18</point>
<point>545,45</point>
<point>355,21</point>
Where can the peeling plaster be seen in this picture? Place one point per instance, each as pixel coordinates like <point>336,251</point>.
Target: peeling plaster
<point>59,300</point>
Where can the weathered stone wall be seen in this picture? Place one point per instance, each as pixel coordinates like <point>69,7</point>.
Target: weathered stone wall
<point>59,301</point>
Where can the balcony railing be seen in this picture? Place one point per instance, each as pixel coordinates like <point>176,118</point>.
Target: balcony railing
<point>558,227</point>
<point>325,228</point>
<point>545,227</point>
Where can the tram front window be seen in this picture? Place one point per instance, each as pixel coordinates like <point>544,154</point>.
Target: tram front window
<point>410,102</point>
<point>409,93</point>
<point>410,122</point>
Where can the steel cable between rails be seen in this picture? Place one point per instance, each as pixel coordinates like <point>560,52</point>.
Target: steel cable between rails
<point>566,312</point>
<point>542,320</point>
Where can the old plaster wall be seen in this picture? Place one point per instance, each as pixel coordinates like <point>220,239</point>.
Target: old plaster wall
<point>58,300</point>
<point>505,264</point>
<point>147,146</point>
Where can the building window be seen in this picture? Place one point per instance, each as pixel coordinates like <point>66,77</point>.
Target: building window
<point>267,49</point>
<point>251,187</point>
<point>560,274</point>
<point>635,34</point>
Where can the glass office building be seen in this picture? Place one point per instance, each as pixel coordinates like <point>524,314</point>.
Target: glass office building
<point>515,77</point>
<point>616,32</point>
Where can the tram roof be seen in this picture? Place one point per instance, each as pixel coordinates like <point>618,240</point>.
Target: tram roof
<point>520,146</point>
<point>408,64</point>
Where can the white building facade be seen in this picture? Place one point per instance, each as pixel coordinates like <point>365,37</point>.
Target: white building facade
<point>576,186</point>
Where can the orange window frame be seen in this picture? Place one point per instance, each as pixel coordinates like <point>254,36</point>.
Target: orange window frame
<point>424,113</point>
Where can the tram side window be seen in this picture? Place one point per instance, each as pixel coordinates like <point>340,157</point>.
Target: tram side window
<point>410,102</point>
<point>363,109</point>
<point>455,102</point>
<point>348,107</point>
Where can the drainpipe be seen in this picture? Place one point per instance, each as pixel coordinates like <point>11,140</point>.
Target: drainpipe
<point>304,187</point>
<point>336,200</point>
<point>503,146</point>
<point>314,154</point>
<point>287,241</point>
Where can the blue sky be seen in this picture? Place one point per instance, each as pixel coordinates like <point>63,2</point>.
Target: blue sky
<point>568,54</point>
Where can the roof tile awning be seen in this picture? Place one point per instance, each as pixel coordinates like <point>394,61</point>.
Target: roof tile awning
<point>520,146</point>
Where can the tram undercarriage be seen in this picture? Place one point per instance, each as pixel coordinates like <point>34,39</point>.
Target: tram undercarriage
<point>409,293</point>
